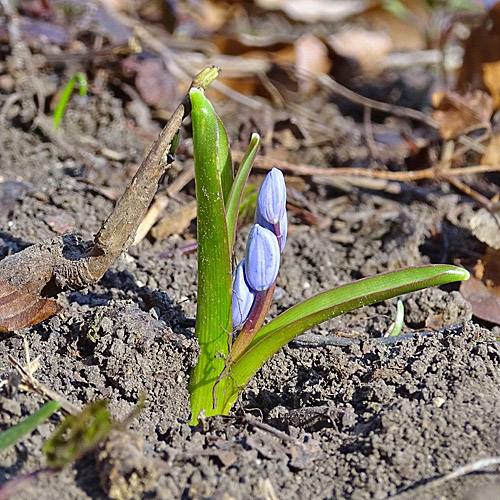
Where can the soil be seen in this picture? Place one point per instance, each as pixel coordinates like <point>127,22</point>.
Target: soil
<point>359,421</point>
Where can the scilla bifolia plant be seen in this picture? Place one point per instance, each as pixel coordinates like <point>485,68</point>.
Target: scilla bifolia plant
<point>235,304</point>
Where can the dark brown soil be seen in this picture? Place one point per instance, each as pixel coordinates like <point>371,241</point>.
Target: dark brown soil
<point>367,420</point>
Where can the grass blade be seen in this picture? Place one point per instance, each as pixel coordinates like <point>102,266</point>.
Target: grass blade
<point>234,201</point>
<point>396,327</point>
<point>28,425</point>
<point>66,94</point>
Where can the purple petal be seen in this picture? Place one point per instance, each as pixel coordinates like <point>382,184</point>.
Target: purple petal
<point>243,296</point>
<point>271,200</point>
<point>262,258</point>
<point>280,229</point>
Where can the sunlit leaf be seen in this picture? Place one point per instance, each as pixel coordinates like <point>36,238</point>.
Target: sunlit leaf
<point>236,195</point>
<point>28,425</point>
<point>214,266</point>
<point>326,305</point>
<point>78,434</point>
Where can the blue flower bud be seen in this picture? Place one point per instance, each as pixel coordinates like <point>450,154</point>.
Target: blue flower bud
<point>262,258</point>
<point>280,229</point>
<point>271,200</point>
<point>243,296</point>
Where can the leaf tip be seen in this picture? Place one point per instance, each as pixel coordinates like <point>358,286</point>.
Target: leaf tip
<point>459,273</point>
<point>203,79</point>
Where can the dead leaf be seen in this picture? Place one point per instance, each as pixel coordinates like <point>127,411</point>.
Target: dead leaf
<point>366,48</point>
<point>60,223</point>
<point>492,154</point>
<point>485,227</point>
<point>315,11</point>
<point>407,31</point>
<point>36,31</point>
<point>20,310</point>
<point>155,85</point>
<point>434,321</point>
<point>491,77</point>
<point>459,114</point>
<point>484,305</point>
<point>311,59</point>
<point>175,222</point>
<point>481,48</point>
<point>482,290</point>
<point>227,457</point>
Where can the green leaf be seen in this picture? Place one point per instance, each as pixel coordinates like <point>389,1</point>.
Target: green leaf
<point>214,265</point>
<point>205,77</point>
<point>248,204</point>
<point>78,434</point>
<point>233,204</point>
<point>28,425</point>
<point>66,94</point>
<point>396,327</point>
<point>326,305</point>
<point>224,161</point>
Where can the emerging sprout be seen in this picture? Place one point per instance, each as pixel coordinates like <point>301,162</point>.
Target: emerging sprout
<point>217,380</point>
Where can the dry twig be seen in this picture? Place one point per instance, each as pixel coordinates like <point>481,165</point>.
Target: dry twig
<point>483,463</point>
<point>414,175</point>
<point>31,384</point>
<point>329,83</point>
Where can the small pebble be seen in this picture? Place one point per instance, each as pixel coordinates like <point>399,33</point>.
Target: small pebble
<point>438,402</point>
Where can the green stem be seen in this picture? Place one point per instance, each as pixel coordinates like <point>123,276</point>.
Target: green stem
<point>253,323</point>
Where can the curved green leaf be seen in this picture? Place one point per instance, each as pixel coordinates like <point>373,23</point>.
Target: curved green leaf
<point>326,305</point>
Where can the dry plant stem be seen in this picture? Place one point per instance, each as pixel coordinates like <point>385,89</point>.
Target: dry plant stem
<point>448,154</point>
<point>427,173</point>
<point>330,84</point>
<point>317,340</point>
<point>162,202</point>
<point>268,428</point>
<point>181,67</point>
<point>66,263</point>
<point>253,323</point>
<point>483,463</point>
<point>370,142</point>
<point>29,383</point>
<point>118,231</point>
<point>470,192</point>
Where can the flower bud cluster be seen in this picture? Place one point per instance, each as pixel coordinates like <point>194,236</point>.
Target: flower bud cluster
<point>258,270</point>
